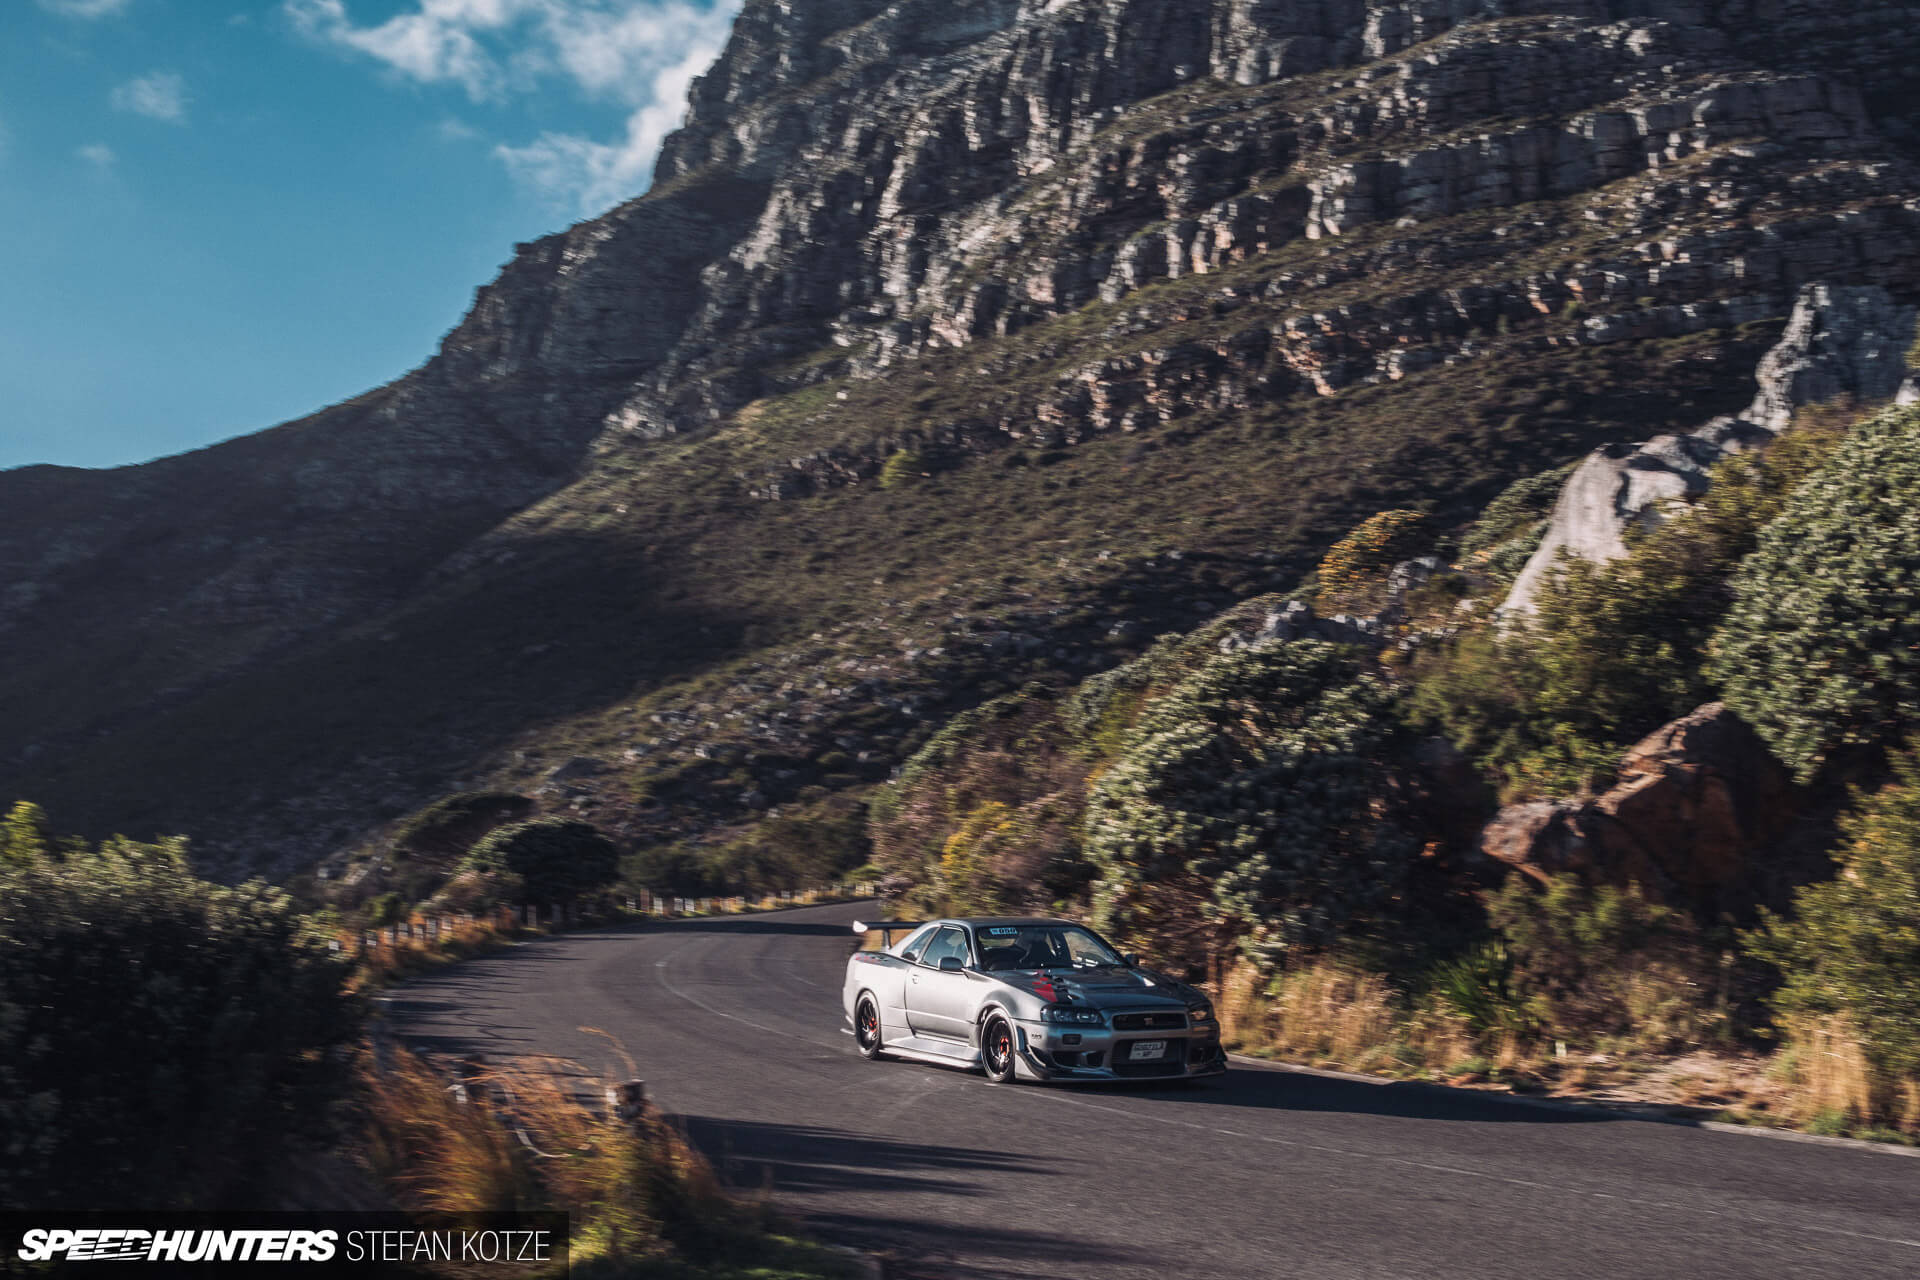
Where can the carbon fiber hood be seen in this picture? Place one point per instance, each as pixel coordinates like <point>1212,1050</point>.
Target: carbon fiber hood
<point>1102,988</point>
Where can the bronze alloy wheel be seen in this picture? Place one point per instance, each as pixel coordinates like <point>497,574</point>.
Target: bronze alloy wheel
<point>996,1049</point>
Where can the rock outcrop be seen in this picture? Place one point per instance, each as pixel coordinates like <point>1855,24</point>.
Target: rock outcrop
<point>1695,801</point>
<point>959,227</point>
<point>1841,344</point>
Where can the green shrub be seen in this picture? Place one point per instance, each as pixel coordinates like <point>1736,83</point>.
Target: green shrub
<point>1602,962</point>
<point>1548,705</point>
<point>1519,513</point>
<point>24,837</point>
<point>447,828</point>
<point>162,1039</point>
<point>987,816</point>
<point>1259,777</point>
<point>1821,649</point>
<point>1478,988</point>
<point>1853,944</point>
<point>903,466</point>
<point>558,860</point>
<point>1353,576</point>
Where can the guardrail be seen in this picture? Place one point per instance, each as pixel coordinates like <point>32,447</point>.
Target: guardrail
<point>425,931</point>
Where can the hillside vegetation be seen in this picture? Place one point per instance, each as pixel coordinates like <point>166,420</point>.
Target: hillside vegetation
<point>1072,457</point>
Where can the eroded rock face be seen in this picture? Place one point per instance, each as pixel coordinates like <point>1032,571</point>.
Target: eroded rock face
<point>1115,214</point>
<point>1695,801</point>
<point>1841,343</point>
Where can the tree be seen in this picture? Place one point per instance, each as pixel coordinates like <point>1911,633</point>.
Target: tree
<point>24,836</point>
<point>1853,944</point>
<point>987,815</point>
<point>162,1039</point>
<point>1258,776</point>
<point>1821,649</point>
<point>559,860</point>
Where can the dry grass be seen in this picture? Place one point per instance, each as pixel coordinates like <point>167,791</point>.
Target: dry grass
<point>388,962</point>
<point>1833,1087</point>
<point>439,1153</point>
<point>530,1136</point>
<point>1332,1014</point>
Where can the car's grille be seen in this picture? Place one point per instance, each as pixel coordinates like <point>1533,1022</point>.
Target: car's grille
<point>1173,1063</point>
<point>1168,1021</point>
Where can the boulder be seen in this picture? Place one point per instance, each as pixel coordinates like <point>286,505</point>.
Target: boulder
<point>1695,801</point>
<point>1840,343</point>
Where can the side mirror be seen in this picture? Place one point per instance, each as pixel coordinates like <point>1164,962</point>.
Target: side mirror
<point>951,964</point>
<point>1130,959</point>
<point>909,955</point>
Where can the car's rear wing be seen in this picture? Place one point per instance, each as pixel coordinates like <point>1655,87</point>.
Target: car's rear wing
<point>885,928</point>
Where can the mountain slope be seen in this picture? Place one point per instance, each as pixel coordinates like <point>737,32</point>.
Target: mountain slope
<point>1151,302</point>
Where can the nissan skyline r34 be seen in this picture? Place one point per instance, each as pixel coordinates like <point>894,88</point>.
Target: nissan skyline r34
<point>1027,999</point>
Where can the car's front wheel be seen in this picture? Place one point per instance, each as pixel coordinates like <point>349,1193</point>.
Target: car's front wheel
<point>866,1027</point>
<point>996,1049</point>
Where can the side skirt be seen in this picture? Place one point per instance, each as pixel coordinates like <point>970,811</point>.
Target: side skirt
<point>926,1049</point>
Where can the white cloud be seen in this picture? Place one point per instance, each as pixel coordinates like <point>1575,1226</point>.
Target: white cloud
<point>641,54</point>
<point>99,155</point>
<point>455,130</point>
<point>439,42</point>
<point>586,176</point>
<point>159,96</point>
<point>86,8</point>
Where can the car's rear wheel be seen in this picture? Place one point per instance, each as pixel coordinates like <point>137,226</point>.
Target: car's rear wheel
<point>996,1049</point>
<point>866,1027</point>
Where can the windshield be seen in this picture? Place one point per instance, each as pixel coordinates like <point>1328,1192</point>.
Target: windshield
<point>1042,946</point>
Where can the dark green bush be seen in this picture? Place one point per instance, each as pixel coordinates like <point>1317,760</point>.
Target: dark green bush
<point>162,1039</point>
<point>1258,776</point>
<point>1821,649</point>
<point>24,836</point>
<point>1615,650</point>
<point>558,860</point>
<point>1478,987</point>
<point>1510,528</point>
<point>1593,963</point>
<point>986,817</point>
<point>447,828</point>
<point>1853,944</point>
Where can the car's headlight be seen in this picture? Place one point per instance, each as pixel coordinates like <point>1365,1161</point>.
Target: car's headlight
<point>1200,1014</point>
<point>1067,1013</point>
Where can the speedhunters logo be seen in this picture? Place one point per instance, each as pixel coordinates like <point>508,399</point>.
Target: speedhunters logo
<point>360,1244</point>
<point>130,1244</point>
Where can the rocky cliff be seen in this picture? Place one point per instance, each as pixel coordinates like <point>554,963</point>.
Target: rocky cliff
<point>1156,299</point>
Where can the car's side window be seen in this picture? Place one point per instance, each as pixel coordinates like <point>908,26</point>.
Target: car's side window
<point>916,941</point>
<point>1085,951</point>
<point>951,942</point>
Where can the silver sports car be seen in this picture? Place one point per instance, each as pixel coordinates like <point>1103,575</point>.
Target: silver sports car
<point>1025,999</point>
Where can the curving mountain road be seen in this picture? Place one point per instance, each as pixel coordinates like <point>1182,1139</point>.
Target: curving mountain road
<point>735,1024</point>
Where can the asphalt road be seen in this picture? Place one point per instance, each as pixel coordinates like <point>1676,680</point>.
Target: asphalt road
<point>736,1027</point>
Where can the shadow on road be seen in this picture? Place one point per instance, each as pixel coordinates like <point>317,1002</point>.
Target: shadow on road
<point>892,1176</point>
<point>810,1158</point>
<point>1291,1091</point>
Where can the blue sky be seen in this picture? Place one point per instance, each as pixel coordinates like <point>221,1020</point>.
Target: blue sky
<point>220,215</point>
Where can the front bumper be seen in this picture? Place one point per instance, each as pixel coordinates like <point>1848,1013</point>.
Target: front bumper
<point>1050,1051</point>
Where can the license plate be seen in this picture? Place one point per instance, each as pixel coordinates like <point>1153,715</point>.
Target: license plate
<point>1147,1050</point>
